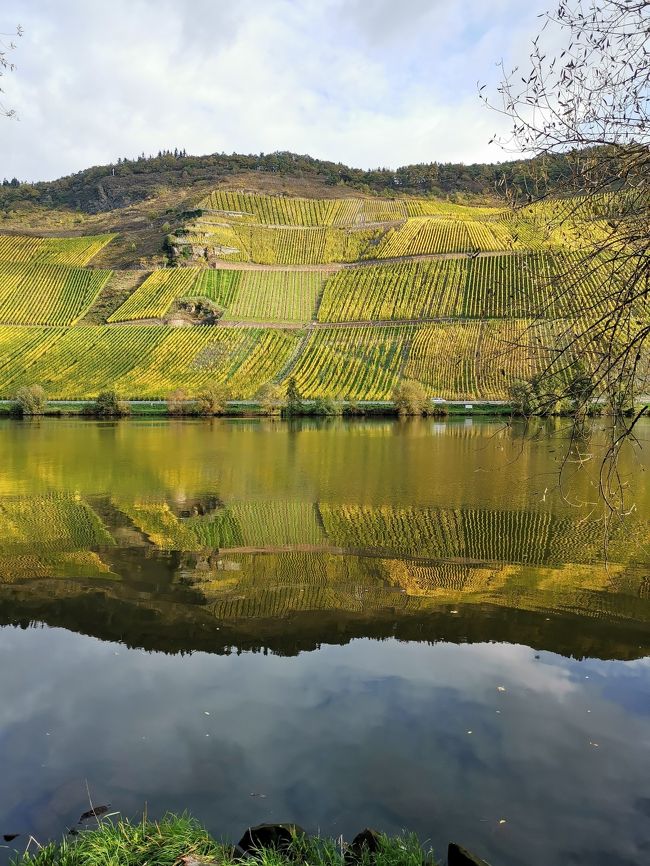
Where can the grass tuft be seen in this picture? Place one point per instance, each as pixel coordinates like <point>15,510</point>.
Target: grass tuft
<point>179,840</point>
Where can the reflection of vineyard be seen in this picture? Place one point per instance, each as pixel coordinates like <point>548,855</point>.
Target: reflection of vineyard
<point>51,523</point>
<point>362,559</point>
<point>50,536</point>
<point>273,559</point>
<point>277,585</point>
<point>474,535</point>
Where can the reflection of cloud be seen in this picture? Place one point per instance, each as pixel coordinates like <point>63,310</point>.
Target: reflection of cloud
<point>366,84</point>
<point>371,733</point>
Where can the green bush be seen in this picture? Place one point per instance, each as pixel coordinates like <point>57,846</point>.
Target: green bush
<point>212,400</point>
<point>294,404</point>
<point>410,398</point>
<point>272,399</point>
<point>325,406</point>
<point>108,405</point>
<point>30,400</point>
<point>522,398</point>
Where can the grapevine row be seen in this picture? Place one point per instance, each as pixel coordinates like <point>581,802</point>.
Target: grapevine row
<point>74,252</point>
<point>44,294</point>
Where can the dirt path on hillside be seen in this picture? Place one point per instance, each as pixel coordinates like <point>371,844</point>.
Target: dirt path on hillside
<point>221,264</point>
<point>311,325</point>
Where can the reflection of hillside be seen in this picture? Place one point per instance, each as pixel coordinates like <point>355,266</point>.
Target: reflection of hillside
<point>175,618</point>
<point>476,535</point>
<point>277,585</point>
<point>70,564</point>
<point>286,574</point>
<point>49,523</point>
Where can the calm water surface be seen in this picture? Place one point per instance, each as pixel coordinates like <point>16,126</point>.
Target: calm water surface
<point>402,625</point>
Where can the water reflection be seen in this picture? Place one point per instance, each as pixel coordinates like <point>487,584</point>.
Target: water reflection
<point>447,739</point>
<point>472,657</point>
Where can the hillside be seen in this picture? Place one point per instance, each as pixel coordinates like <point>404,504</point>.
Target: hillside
<point>107,187</point>
<point>348,295</point>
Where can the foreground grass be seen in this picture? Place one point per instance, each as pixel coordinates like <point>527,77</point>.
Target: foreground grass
<point>182,841</point>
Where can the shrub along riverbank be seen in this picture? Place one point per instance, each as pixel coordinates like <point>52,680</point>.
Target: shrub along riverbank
<point>182,841</point>
<point>311,408</point>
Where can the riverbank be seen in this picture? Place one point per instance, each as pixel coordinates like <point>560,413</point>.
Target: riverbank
<point>182,840</point>
<point>251,408</point>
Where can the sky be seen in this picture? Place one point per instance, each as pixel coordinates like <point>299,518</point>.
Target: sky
<point>365,82</point>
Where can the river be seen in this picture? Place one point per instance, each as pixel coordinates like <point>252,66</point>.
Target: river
<point>338,623</point>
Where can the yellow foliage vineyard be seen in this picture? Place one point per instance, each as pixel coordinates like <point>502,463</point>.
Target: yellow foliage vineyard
<point>75,252</point>
<point>478,359</point>
<point>487,302</point>
<point>267,229</point>
<point>277,210</point>
<point>277,296</point>
<point>145,361</point>
<point>44,294</point>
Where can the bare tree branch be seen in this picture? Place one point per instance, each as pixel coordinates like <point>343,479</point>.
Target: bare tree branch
<point>589,102</point>
<point>7,47</point>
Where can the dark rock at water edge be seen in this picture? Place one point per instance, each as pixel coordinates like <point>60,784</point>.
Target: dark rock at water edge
<point>459,856</point>
<point>269,836</point>
<point>367,840</point>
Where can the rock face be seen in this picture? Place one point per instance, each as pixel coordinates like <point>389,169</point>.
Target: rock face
<point>269,836</point>
<point>459,856</point>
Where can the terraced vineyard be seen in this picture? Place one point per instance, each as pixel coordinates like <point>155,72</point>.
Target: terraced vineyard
<point>141,361</point>
<point>356,363</point>
<point>291,246</point>
<point>241,226</point>
<point>407,290</point>
<point>281,210</point>
<point>463,322</point>
<point>43,294</point>
<point>75,252</point>
<point>499,286</point>
<point>289,211</point>
<point>473,360</point>
<point>435,207</point>
<point>153,298</point>
<point>282,296</point>
<point>431,235</point>
<point>462,360</point>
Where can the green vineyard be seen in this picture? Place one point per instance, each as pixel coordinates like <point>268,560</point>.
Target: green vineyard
<point>277,296</point>
<point>44,294</point>
<point>75,252</point>
<point>351,296</point>
<point>141,361</point>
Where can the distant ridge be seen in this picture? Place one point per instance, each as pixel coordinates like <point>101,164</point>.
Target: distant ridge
<point>128,181</point>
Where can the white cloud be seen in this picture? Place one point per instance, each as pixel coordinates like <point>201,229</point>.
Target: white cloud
<point>366,83</point>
